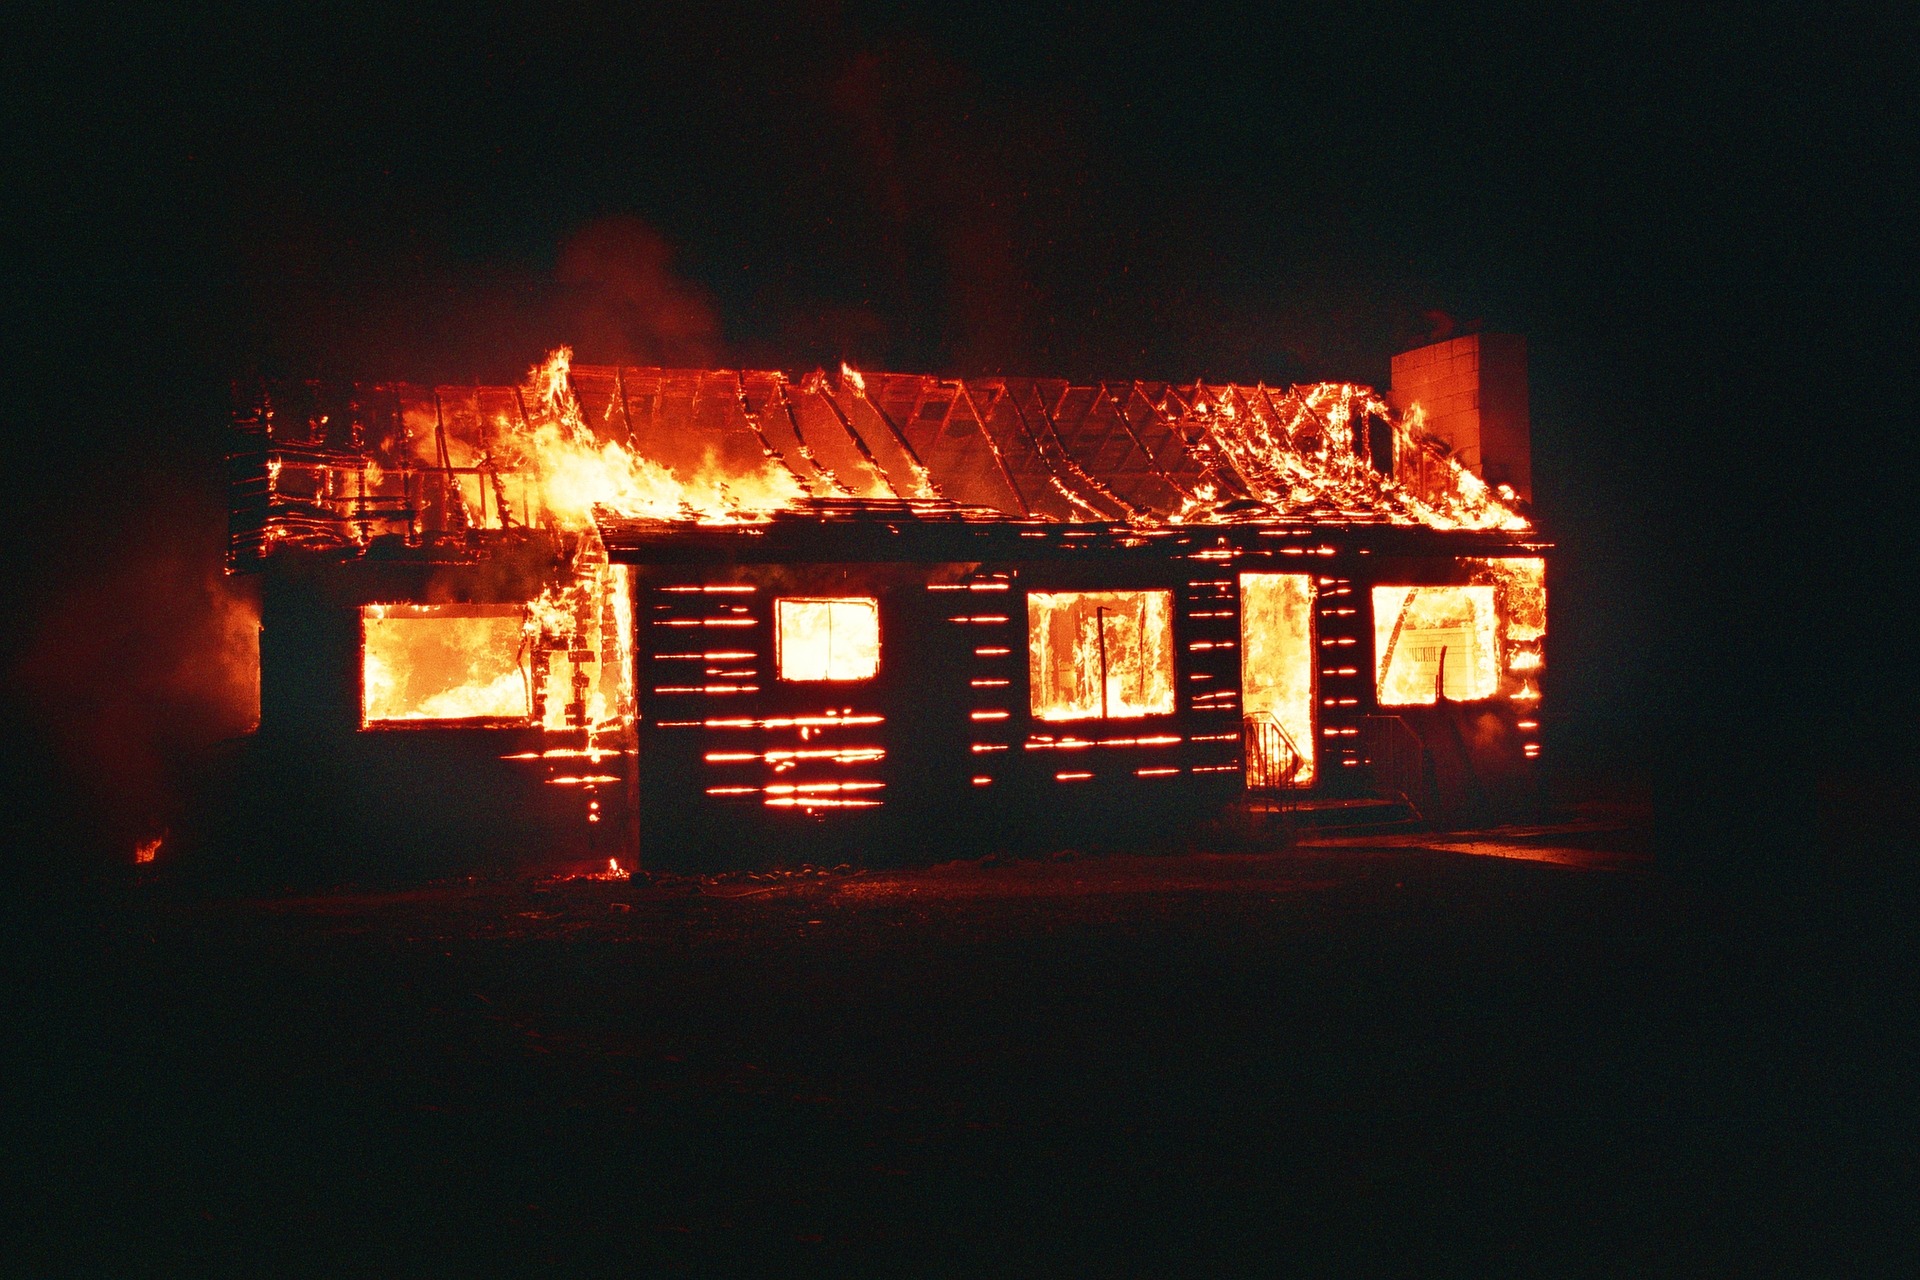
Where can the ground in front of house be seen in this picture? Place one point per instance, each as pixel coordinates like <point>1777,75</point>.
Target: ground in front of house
<point>1523,1052</point>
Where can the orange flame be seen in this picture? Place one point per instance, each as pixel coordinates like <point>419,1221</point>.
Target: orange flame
<point>614,871</point>
<point>575,473</point>
<point>1304,456</point>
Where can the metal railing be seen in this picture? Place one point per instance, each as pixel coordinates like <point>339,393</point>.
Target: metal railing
<point>1272,760</point>
<point>1401,767</point>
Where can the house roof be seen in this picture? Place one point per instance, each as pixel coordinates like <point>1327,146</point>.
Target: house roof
<point>1134,453</point>
<point>1036,448</point>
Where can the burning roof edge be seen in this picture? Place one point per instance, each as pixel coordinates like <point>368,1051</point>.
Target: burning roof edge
<point>898,530</point>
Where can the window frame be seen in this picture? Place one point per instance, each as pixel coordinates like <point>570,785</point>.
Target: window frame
<point>871,603</point>
<point>372,614</point>
<point>1171,651</point>
<point>1483,632</point>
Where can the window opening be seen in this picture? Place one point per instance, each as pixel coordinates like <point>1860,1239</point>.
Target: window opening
<point>442,662</point>
<point>1434,642</point>
<point>827,639</point>
<point>1100,654</point>
<point>1276,677</point>
<point>558,662</point>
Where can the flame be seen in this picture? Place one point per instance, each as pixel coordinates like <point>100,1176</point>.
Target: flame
<point>147,850</point>
<point>1276,658</point>
<point>1520,598</point>
<point>1302,457</point>
<point>1075,636</point>
<point>1431,641</point>
<point>1520,586</point>
<point>827,639</point>
<point>428,662</point>
<point>1462,499</point>
<point>581,627</point>
<point>1490,633</point>
<point>504,696</point>
<point>459,461</point>
<point>560,659</point>
<point>614,871</point>
<point>1202,499</point>
<point>574,472</point>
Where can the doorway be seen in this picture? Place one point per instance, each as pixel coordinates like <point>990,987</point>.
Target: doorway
<point>1276,679</point>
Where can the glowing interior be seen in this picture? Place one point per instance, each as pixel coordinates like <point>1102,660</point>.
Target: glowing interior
<point>1276,659</point>
<point>1520,598</point>
<point>1433,639</point>
<point>836,639</point>
<point>560,660</point>
<point>1076,637</point>
<point>1522,589</point>
<point>442,662</point>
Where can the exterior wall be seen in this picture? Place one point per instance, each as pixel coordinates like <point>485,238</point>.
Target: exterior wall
<point>437,798</point>
<point>941,742</point>
<point>965,765</point>
<point>1474,392</point>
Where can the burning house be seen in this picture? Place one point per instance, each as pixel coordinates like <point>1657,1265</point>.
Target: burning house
<point>726,618</point>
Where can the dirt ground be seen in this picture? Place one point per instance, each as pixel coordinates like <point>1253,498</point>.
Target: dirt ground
<point>1519,1054</point>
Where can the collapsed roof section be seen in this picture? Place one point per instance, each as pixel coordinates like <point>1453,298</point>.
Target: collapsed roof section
<point>344,466</point>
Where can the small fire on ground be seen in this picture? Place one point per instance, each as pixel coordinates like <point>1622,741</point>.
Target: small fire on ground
<point>612,871</point>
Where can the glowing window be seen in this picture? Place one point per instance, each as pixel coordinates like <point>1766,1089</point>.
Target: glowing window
<point>1434,640</point>
<point>836,639</point>
<point>1100,654</point>
<point>442,662</point>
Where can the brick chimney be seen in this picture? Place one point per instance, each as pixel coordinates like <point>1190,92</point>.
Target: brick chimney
<point>1474,390</point>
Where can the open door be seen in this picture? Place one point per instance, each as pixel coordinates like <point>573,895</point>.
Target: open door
<point>1277,679</point>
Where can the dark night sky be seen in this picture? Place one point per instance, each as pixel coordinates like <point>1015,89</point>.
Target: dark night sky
<point>1695,221</point>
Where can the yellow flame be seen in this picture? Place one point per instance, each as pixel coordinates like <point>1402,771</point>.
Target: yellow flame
<point>1430,641</point>
<point>574,472</point>
<point>1302,456</point>
<point>836,639</point>
<point>1074,637</point>
<point>1465,501</point>
<point>1306,459</point>
<point>1277,658</point>
<point>419,662</point>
